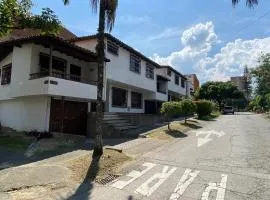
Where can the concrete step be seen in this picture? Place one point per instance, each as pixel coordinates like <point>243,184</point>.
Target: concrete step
<point>122,124</point>
<point>113,121</point>
<point>111,118</point>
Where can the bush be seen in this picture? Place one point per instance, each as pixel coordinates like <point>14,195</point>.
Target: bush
<point>39,135</point>
<point>205,108</point>
<point>187,108</point>
<point>171,109</point>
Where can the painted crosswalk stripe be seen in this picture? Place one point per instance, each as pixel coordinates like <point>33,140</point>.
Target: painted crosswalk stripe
<point>134,175</point>
<point>214,186</point>
<point>146,189</point>
<point>187,178</point>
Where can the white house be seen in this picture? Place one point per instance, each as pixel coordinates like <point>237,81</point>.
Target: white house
<point>46,84</point>
<point>133,84</point>
<point>177,86</point>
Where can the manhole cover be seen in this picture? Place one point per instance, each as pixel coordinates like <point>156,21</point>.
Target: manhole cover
<point>109,178</point>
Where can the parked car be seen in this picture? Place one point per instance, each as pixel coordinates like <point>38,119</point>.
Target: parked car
<point>228,109</point>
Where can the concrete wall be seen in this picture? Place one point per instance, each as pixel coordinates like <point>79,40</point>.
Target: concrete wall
<point>26,113</point>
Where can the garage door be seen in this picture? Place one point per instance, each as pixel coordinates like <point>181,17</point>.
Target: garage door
<point>74,116</point>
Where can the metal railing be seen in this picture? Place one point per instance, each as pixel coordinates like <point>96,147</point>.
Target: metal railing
<point>71,77</point>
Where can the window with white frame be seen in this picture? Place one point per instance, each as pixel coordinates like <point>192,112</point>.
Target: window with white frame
<point>119,97</point>
<point>176,79</point>
<point>183,85</point>
<point>136,100</point>
<point>149,71</point>
<point>135,64</point>
<point>6,74</point>
<point>112,48</point>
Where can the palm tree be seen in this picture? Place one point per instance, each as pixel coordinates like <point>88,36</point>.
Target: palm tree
<point>107,12</point>
<point>249,3</point>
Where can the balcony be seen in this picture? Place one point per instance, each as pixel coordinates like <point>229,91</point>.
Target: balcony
<point>70,77</point>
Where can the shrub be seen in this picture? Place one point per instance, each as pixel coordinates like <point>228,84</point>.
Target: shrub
<point>204,108</point>
<point>171,109</point>
<point>187,108</point>
<point>39,135</point>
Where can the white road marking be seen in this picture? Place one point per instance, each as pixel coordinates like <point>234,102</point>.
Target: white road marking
<point>207,138</point>
<point>134,175</point>
<point>184,182</point>
<point>146,189</point>
<point>219,187</point>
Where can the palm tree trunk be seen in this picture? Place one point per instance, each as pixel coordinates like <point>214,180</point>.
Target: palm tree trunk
<point>98,149</point>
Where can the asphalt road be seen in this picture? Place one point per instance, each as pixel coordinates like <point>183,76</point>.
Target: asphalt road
<point>227,159</point>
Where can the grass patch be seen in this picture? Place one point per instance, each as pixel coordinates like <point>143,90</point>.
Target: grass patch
<point>211,117</point>
<point>178,130</point>
<point>14,142</point>
<point>110,163</point>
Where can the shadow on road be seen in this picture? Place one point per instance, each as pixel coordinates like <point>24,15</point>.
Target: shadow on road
<point>175,133</point>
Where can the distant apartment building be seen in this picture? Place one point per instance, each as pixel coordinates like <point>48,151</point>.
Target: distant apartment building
<point>192,78</point>
<point>241,81</point>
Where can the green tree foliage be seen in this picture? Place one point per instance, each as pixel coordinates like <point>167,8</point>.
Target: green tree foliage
<point>187,108</point>
<point>16,14</point>
<point>204,108</point>
<point>171,109</point>
<point>262,75</point>
<point>219,92</point>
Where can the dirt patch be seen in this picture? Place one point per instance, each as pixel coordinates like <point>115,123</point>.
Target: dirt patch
<point>110,163</point>
<point>178,130</point>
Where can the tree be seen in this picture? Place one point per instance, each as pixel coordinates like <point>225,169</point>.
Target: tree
<point>16,14</point>
<point>107,12</point>
<point>262,75</point>
<point>171,109</point>
<point>249,3</point>
<point>187,108</point>
<point>218,92</point>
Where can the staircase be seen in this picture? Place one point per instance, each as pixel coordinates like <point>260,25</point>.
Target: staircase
<point>121,125</point>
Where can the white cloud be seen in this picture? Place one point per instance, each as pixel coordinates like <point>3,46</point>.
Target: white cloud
<point>198,42</point>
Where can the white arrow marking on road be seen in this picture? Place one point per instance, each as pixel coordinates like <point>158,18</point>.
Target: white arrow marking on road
<point>219,187</point>
<point>207,138</point>
<point>184,182</point>
<point>146,189</point>
<point>134,175</point>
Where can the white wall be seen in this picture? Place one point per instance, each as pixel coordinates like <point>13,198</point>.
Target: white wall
<point>171,84</point>
<point>26,113</point>
<point>118,68</point>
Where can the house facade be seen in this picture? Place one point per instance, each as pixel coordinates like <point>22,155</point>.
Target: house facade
<point>47,84</point>
<point>134,84</point>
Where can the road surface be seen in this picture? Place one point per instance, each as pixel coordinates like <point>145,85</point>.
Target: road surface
<point>229,159</point>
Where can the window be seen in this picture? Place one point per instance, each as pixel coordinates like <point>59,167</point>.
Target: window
<point>136,100</point>
<point>112,48</point>
<point>119,97</point>
<point>6,74</point>
<point>176,79</point>
<point>135,63</point>
<point>149,71</point>
<point>75,73</point>
<point>58,64</point>
<point>169,72</point>
<point>183,85</point>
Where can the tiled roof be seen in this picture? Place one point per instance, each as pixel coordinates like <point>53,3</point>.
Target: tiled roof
<point>23,33</point>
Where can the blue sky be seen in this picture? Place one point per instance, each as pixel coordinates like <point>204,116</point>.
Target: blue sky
<point>218,41</point>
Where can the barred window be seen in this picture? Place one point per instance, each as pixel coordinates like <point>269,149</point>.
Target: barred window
<point>135,63</point>
<point>183,85</point>
<point>119,97</point>
<point>176,79</point>
<point>6,74</point>
<point>149,71</point>
<point>136,100</point>
<point>169,72</point>
<point>112,48</point>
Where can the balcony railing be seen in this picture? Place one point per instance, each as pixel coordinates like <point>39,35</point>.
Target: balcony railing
<point>71,77</point>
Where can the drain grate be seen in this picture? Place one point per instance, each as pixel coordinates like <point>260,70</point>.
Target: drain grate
<point>108,179</point>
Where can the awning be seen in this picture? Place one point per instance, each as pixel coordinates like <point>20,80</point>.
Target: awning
<point>163,78</point>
